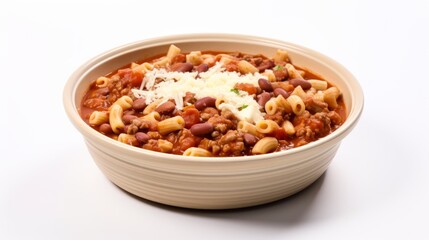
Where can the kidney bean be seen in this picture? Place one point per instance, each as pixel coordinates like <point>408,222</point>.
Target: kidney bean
<point>263,98</point>
<point>265,85</point>
<point>300,82</point>
<point>202,67</point>
<point>201,129</point>
<point>142,137</point>
<point>105,128</point>
<point>182,67</point>
<point>249,139</point>
<point>281,91</point>
<point>128,118</point>
<point>204,102</point>
<point>266,64</point>
<point>165,108</point>
<point>139,104</point>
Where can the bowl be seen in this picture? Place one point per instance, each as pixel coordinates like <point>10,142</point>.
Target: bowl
<point>215,182</point>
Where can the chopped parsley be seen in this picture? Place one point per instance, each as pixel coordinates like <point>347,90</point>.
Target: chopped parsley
<point>243,107</point>
<point>278,67</point>
<point>235,90</point>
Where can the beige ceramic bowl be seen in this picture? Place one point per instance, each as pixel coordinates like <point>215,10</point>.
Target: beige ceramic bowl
<point>211,183</point>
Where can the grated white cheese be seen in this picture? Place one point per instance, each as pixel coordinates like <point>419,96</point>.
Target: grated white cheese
<point>216,82</point>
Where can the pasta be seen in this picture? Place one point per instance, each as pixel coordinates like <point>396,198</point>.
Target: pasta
<point>98,118</point>
<point>245,67</point>
<point>265,145</point>
<point>318,84</point>
<point>330,97</point>
<point>213,104</point>
<point>171,124</point>
<point>197,152</point>
<point>125,102</point>
<point>102,82</point>
<point>299,92</point>
<point>194,58</point>
<point>266,126</point>
<point>293,73</point>
<point>115,118</point>
<point>288,127</point>
<point>296,103</point>
<point>247,127</point>
<point>281,56</point>
<point>127,138</point>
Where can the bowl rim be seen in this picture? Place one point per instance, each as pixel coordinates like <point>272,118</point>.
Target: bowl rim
<point>70,88</point>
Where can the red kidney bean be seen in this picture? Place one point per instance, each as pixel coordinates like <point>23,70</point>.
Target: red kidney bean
<point>128,118</point>
<point>201,129</point>
<point>281,91</point>
<point>249,139</point>
<point>165,108</point>
<point>182,67</point>
<point>202,67</point>
<point>105,128</point>
<point>265,85</point>
<point>142,137</point>
<point>263,98</point>
<point>204,102</point>
<point>300,82</point>
<point>266,64</point>
<point>139,104</point>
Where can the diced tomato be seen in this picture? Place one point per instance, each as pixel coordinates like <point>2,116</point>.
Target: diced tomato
<point>191,117</point>
<point>128,76</point>
<point>315,125</point>
<point>247,87</point>
<point>280,134</point>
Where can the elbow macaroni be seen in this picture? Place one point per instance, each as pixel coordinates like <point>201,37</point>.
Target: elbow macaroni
<point>265,145</point>
<point>98,118</point>
<point>170,125</point>
<point>197,152</point>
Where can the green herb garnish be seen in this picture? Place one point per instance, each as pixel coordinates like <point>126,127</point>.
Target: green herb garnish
<point>243,107</point>
<point>278,67</point>
<point>235,90</point>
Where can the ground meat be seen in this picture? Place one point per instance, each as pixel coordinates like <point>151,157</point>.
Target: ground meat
<point>184,140</point>
<point>277,117</point>
<point>208,112</point>
<point>210,146</point>
<point>115,87</point>
<point>314,105</point>
<point>232,67</point>
<point>96,103</point>
<point>336,119</point>
<point>312,127</point>
<point>158,145</point>
<point>221,124</point>
<point>189,99</point>
<point>281,73</point>
<point>154,135</point>
<point>229,144</point>
<point>139,124</point>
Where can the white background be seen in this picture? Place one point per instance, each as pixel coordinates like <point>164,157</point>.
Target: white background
<point>376,187</point>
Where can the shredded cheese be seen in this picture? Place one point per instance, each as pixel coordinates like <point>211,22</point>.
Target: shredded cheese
<point>216,82</point>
